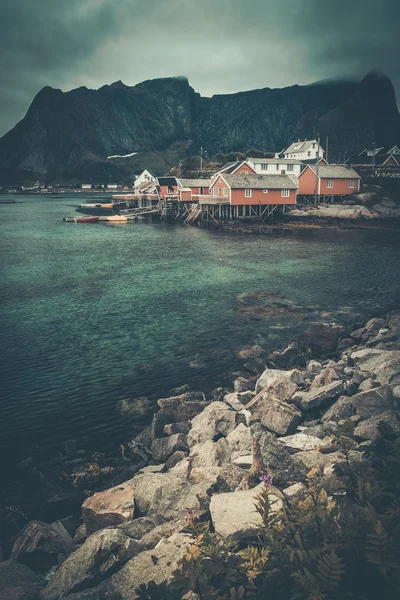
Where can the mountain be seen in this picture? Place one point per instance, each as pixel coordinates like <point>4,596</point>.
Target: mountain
<point>70,135</point>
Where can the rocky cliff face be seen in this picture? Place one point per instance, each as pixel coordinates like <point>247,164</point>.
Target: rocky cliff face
<point>66,135</point>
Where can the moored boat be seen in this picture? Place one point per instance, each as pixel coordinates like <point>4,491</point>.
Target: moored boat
<point>117,219</point>
<point>69,219</point>
<point>87,219</point>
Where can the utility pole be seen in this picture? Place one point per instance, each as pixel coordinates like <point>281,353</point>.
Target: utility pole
<point>373,155</point>
<point>201,159</point>
<point>326,151</point>
<point>316,172</point>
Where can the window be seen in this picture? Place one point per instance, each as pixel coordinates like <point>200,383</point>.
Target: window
<point>247,193</point>
<point>309,153</point>
<point>285,193</point>
<point>215,192</point>
<point>225,191</point>
<point>265,191</point>
<point>277,167</point>
<point>351,183</point>
<point>329,183</point>
<point>170,189</point>
<point>264,166</point>
<point>290,167</point>
<point>313,145</point>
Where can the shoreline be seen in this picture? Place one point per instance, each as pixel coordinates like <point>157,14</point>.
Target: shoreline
<point>185,442</point>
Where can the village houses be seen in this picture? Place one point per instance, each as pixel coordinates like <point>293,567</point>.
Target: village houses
<point>307,150</point>
<point>276,166</point>
<point>328,181</point>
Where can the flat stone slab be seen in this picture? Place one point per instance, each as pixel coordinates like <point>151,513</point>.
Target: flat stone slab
<point>109,508</point>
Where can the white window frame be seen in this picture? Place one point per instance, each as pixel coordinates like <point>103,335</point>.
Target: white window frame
<point>351,183</point>
<point>277,166</point>
<point>290,167</point>
<point>265,191</point>
<point>247,193</point>
<point>226,192</point>
<point>285,193</point>
<point>309,153</point>
<point>264,166</point>
<point>329,183</point>
<point>215,192</point>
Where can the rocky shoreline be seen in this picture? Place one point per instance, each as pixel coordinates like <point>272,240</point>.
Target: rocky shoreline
<point>201,458</point>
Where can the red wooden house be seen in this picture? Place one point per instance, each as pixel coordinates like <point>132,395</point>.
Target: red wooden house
<point>190,190</point>
<point>328,181</point>
<point>167,187</point>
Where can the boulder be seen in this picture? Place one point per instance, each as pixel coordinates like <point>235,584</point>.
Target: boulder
<point>301,441</point>
<point>234,514</point>
<point>275,415</point>
<point>109,508</point>
<point>281,384</point>
<point>163,448</point>
<point>251,352</point>
<point>216,420</point>
<point>18,582</point>
<point>162,531</point>
<point>173,428</point>
<point>370,329</point>
<point>38,546</point>
<point>324,378</point>
<point>241,384</point>
<point>385,364</point>
<point>240,441</point>
<point>321,396</point>
<point>183,407</point>
<point>244,462</point>
<point>210,454</point>
<point>233,401</point>
<point>373,402</point>
<point>255,366</point>
<point>314,367</point>
<point>102,553</point>
<point>175,458</point>
<point>368,384</point>
<point>325,462</point>
<point>369,429</point>
<point>139,527</point>
<point>270,456</point>
<point>297,490</point>
<point>155,565</point>
<point>320,339</point>
<point>341,409</point>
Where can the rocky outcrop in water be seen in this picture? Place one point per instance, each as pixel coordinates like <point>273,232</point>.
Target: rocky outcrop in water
<point>72,134</point>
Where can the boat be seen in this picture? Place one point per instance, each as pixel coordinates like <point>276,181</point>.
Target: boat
<point>92,205</point>
<point>87,219</point>
<point>70,219</point>
<point>117,219</point>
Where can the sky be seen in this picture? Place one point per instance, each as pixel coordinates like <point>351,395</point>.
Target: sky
<point>222,46</point>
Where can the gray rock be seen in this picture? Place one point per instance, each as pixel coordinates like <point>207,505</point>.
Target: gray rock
<point>314,367</point>
<point>162,531</point>
<point>175,458</point>
<point>369,429</point>
<point>251,352</point>
<point>210,454</point>
<point>173,428</point>
<point>244,462</point>
<point>341,409</point>
<point>269,455</point>
<point>233,401</point>
<point>163,448</point>
<point>280,384</point>
<point>18,582</point>
<point>182,408</point>
<point>216,420</point>
<point>300,441</point>
<point>241,384</point>
<point>240,441</point>
<point>135,407</point>
<point>139,527</point>
<point>321,396</point>
<point>385,364</point>
<point>275,415</point>
<point>325,462</point>
<point>368,384</point>
<point>38,546</point>
<point>234,514</point>
<point>109,508</point>
<point>297,490</point>
<point>104,551</point>
<point>373,402</point>
<point>155,565</point>
<point>326,377</point>
<point>369,330</point>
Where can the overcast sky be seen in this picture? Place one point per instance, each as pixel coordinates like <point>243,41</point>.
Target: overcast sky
<point>220,45</point>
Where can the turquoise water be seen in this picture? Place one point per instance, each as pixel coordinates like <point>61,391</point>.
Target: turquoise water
<point>93,313</point>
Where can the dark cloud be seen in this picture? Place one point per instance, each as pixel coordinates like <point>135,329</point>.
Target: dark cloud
<point>221,45</point>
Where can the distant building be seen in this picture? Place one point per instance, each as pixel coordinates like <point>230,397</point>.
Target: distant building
<point>274,166</point>
<point>304,150</point>
<point>112,186</point>
<point>144,177</point>
<point>167,186</point>
<point>378,156</point>
<point>329,180</point>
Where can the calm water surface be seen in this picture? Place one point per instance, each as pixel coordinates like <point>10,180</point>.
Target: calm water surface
<point>93,313</point>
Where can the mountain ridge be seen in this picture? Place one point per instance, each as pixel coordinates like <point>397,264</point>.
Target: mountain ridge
<point>68,135</point>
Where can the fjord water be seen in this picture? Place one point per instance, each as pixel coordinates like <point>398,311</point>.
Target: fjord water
<point>94,313</point>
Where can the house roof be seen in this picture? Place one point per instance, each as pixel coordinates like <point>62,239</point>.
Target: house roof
<point>274,161</point>
<point>195,182</point>
<point>335,172</point>
<point>231,167</point>
<point>259,182</point>
<point>300,146</point>
<point>167,181</point>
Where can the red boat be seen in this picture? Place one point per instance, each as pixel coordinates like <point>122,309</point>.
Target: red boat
<point>87,219</point>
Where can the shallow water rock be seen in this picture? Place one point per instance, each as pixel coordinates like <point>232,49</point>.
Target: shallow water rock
<point>277,416</point>
<point>183,407</point>
<point>216,420</point>
<point>109,508</point>
<point>385,364</point>
<point>38,546</point>
<point>163,448</point>
<point>104,551</point>
<point>234,514</point>
<point>251,352</point>
<point>255,366</point>
<point>135,408</point>
<point>269,455</point>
